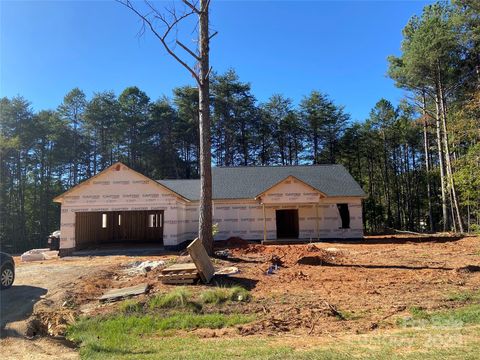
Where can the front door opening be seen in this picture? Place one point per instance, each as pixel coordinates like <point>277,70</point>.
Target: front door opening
<point>287,224</point>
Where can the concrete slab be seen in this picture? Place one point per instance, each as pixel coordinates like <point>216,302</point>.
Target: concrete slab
<point>122,250</point>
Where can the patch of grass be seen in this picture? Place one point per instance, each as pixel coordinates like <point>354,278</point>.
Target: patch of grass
<point>350,315</point>
<point>223,294</point>
<point>130,307</point>
<point>445,318</point>
<point>464,296</point>
<point>101,342</point>
<point>176,298</point>
<point>112,329</point>
<point>238,293</point>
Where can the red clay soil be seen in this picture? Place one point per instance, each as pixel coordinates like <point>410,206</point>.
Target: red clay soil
<point>325,287</point>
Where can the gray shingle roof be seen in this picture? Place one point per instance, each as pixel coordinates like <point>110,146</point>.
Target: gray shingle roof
<point>248,182</point>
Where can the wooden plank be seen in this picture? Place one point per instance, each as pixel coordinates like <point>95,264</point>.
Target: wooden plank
<point>202,261</point>
<point>179,276</point>
<point>180,267</point>
<point>178,281</point>
<point>116,294</point>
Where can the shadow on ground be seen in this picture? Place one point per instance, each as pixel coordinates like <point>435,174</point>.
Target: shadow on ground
<point>123,250</point>
<point>401,240</point>
<point>16,304</point>
<point>317,261</point>
<point>229,281</point>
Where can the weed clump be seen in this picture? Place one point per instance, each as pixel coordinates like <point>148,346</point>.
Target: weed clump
<point>177,298</point>
<point>130,307</point>
<point>222,294</point>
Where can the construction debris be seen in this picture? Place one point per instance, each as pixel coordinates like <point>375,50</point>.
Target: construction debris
<point>39,255</point>
<point>180,274</point>
<point>202,261</point>
<point>142,267</point>
<point>118,294</point>
<point>230,270</point>
<point>223,254</point>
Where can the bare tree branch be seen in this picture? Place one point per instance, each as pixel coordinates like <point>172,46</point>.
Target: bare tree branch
<point>169,26</point>
<point>208,73</point>
<point>191,6</point>
<point>418,104</point>
<point>211,36</point>
<point>188,50</point>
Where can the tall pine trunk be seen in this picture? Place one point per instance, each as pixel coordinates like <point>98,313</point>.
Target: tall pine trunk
<point>205,214</point>
<point>447,156</point>
<point>427,164</point>
<point>445,221</point>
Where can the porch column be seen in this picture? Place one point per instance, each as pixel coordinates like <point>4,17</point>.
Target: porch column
<point>317,222</point>
<point>264,225</point>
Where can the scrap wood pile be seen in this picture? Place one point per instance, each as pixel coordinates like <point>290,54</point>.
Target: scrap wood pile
<point>180,274</point>
<point>52,322</point>
<point>201,268</point>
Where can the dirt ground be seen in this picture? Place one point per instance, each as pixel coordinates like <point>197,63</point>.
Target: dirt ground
<point>41,292</point>
<point>317,289</point>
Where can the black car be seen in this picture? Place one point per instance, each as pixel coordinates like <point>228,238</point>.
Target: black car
<point>7,270</point>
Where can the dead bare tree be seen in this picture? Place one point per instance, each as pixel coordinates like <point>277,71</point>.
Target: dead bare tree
<point>164,26</point>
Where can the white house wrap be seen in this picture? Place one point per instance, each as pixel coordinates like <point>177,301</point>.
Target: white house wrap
<point>255,203</point>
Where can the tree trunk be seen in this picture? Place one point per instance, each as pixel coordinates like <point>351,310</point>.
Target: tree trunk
<point>205,211</point>
<point>447,157</point>
<point>441,165</point>
<point>427,164</point>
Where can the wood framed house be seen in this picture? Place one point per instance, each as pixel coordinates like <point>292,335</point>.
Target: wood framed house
<point>120,205</point>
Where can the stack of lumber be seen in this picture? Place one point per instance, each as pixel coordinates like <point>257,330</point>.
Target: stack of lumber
<point>201,267</point>
<point>180,274</point>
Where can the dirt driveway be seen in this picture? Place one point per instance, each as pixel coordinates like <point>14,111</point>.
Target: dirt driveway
<point>41,284</point>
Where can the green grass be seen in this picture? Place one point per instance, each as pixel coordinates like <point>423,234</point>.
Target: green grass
<point>117,341</point>
<point>464,296</point>
<point>130,307</point>
<point>111,327</point>
<point>348,315</point>
<point>443,318</point>
<point>223,294</point>
<point>425,335</point>
<point>177,298</point>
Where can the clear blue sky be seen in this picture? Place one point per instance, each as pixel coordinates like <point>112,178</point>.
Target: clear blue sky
<point>288,47</point>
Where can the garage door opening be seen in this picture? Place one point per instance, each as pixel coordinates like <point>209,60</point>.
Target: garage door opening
<point>287,224</point>
<point>118,227</point>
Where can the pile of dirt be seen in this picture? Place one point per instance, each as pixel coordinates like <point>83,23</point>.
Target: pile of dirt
<point>91,287</point>
<point>232,242</point>
<point>290,255</point>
